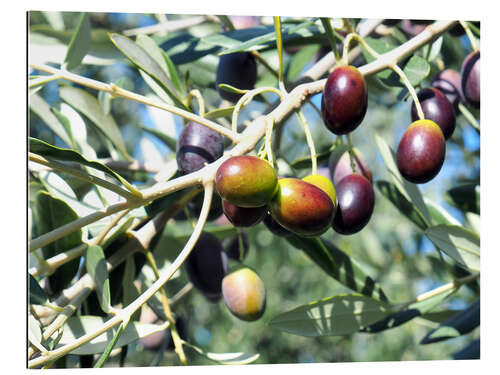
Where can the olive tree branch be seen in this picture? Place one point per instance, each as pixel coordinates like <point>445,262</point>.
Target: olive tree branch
<point>144,297</point>
<point>248,138</point>
<point>122,93</point>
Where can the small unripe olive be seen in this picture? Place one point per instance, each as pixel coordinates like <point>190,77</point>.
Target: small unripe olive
<point>244,294</point>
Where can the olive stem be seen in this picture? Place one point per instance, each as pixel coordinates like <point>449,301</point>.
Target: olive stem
<point>42,80</point>
<point>264,63</point>
<point>347,41</point>
<point>331,36</point>
<point>469,116</point>
<point>81,175</point>
<point>279,44</point>
<point>268,142</point>
<point>309,139</point>
<point>410,88</point>
<point>201,102</point>
<point>472,39</point>
<point>351,153</point>
<point>168,313</point>
<point>120,92</point>
<point>246,99</point>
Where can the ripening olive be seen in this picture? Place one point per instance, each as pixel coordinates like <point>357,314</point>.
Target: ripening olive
<point>197,146</point>
<point>301,207</point>
<point>243,216</point>
<point>437,108</point>
<point>421,151</point>
<point>340,166</point>
<point>244,293</point>
<point>470,79</point>
<point>356,201</point>
<point>246,181</point>
<point>345,100</point>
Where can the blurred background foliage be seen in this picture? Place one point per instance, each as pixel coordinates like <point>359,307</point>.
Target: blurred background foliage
<point>391,249</point>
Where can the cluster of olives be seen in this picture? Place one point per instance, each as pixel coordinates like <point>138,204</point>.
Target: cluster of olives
<point>421,151</point>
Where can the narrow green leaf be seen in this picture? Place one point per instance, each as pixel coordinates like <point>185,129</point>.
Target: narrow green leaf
<point>289,33</point>
<point>391,321</point>
<point>439,316</point>
<point>459,243</point>
<point>173,74</point>
<point>52,152</point>
<point>42,110</point>
<point>338,265</point>
<point>300,59</point>
<point>439,215</point>
<point>322,156</point>
<point>409,190</point>
<point>474,221</point>
<point>35,333</point>
<point>67,126</point>
<point>50,213</point>
<point>169,141</point>
<point>396,197</point>
<point>88,105</point>
<point>459,324</point>
<point>226,21</point>
<point>130,292</point>
<point>417,69</point>
<point>103,358</point>
<point>79,44</point>
<point>220,112</point>
<point>333,316</point>
<point>146,55</point>
<point>226,358</point>
<point>428,304</point>
<point>381,46</point>
<point>37,294</point>
<point>435,49</point>
<point>471,351</point>
<point>76,327</point>
<point>466,197</point>
<point>95,263</point>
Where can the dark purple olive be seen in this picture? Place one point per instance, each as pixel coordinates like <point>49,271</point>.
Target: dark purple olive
<point>197,146</point>
<point>421,151</point>
<point>206,266</point>
<point>470,79</point>
<point>414,27</point>
<point>237,246</point>
<point>345,100</point>
<point>356,200</point>
<point>449,83</point>
<point>237,69</point>
<point>437,108</point>
<point>243,216</point>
